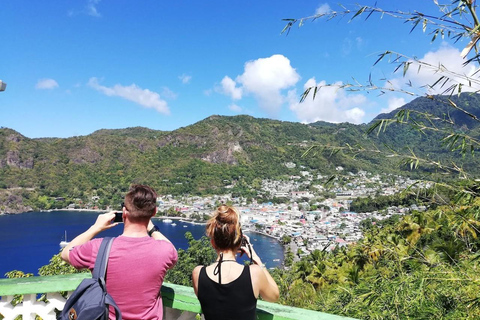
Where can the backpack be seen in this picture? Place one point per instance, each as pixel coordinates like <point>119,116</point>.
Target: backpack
<point>90,301</point>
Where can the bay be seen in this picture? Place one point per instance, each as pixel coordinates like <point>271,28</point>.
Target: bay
<point>29,240</point>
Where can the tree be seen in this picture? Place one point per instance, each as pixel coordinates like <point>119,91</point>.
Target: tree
<point>289,257</point>
<point>199,252</point>
<point>455,21</point>
<point>57,266</point>
<point>286,240</point>
<point>171,212</point>
<point>424,264</point>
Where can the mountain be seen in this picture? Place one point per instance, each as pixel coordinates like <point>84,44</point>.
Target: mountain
<point>442,108</point>
<point>206,157</point>
<point>240,144</point>
<point>447,116</point>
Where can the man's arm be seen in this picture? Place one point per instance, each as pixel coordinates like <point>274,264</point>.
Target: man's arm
<point>103,222</point>
<point>157,235</point>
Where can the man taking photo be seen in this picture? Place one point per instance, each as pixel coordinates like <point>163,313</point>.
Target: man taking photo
<point>139,258</point>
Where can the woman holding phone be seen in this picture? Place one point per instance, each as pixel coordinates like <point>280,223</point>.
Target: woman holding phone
<point>227,289</point>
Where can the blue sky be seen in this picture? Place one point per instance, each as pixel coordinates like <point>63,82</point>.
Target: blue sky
<point>76,66</point>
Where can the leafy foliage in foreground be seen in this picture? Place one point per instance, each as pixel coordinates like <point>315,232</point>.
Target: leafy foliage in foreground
<point>199,252</point>
<point>424,266</point>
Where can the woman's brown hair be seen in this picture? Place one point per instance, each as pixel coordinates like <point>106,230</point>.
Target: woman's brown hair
<point>224,228</point>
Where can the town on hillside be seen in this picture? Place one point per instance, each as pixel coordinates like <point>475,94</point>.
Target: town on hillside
<point>310,217</point>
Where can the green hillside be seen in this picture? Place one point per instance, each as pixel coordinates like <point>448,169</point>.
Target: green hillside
<point>205,157</point>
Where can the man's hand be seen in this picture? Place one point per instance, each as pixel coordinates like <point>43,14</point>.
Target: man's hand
<point>103,222</point>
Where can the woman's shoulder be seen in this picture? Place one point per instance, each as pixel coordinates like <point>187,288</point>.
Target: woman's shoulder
<point>197,269</point>
<point>196,273</point>
<point>256,271</point>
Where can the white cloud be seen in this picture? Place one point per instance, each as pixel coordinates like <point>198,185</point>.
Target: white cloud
<point>359,42</point>
<point>323,9</point>
<point>229,88</point>
<point>92,8</point>
<point>185,78</point>
<point>169,94</point>
<point>143,97</point>
<point>46,84</point>
<point>235,108</point>
<point>331,104</point>
<point>349,45</point>
<point>265,78</point>
<point>393,103</point>
<point>447,57</point>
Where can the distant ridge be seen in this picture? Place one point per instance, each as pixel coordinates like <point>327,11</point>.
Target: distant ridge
<point>439,106</point>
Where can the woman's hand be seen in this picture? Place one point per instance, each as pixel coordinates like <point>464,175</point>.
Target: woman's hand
<point>247,248</point>
<point>244,247</point>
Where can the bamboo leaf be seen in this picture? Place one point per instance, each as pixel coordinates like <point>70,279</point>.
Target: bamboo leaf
<point>374,126</point>
<point>288,26</point>
<point>359,12</point>
<point>305,94</point>
<point>329,181</point>
<point>381,56</point>
<point>308,151</point>
<point>405,68</point>
<point>415,24</point>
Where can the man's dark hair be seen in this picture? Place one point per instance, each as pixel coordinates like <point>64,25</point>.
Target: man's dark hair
<point>140,202</point>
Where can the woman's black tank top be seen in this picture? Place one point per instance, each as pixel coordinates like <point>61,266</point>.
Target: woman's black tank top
<point>230,301</point>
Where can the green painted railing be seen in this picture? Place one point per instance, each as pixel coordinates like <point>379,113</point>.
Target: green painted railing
<point>177,298</point>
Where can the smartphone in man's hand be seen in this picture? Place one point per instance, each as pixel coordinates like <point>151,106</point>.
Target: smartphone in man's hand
<point>118,216</point>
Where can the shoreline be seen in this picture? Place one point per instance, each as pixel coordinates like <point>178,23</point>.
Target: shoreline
<point>264,234</point>
<point>180,219</point>
<point>54,210</point>
<point>79,210</point>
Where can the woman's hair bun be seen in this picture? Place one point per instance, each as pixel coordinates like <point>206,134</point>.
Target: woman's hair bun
<point>224,228</point>
<point>226,215</point>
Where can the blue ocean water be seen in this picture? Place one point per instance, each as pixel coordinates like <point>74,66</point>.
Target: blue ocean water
<point>29,240</point>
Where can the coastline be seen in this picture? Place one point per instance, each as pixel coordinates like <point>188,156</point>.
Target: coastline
<point>263,234</point>
<point>180,219</point>
<point>54,210</point>
<point>79,210</point>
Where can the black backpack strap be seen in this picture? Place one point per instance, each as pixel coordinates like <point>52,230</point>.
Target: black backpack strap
<point>102,258</point>
<point>109,301</point>
<point>100,270</point>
